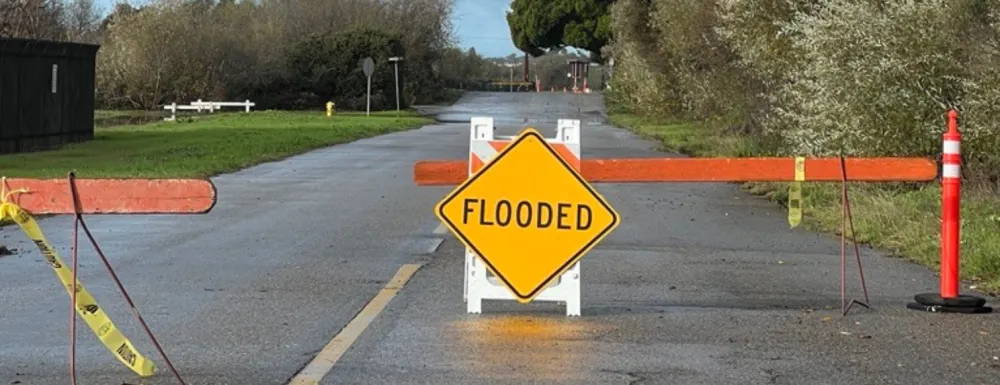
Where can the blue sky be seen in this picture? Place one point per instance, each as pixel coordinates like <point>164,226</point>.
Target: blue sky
<point>482,24</point>
<point>477,23</point>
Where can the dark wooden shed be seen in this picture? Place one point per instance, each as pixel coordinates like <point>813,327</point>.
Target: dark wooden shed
<point>46,94</point>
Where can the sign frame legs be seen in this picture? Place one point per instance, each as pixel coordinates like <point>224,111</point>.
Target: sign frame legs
<point>479,283</point>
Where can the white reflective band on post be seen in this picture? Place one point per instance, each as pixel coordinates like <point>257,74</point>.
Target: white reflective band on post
<point>952,147</point>
<point>951,171</point>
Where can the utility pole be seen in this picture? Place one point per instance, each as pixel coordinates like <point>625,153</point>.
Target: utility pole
<point>526,64</point>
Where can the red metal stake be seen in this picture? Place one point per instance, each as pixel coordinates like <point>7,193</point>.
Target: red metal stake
<point>848,219</point>
<point>79,222</point>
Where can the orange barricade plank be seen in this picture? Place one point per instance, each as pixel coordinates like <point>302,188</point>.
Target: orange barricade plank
<point>443,172</point>
<point>757,169</point>
<point>499,145</point>
<point>114,196</point>
<point>568,155</point>
<point>561,148</point>
<point>477,164</point>
<point>440,172</point>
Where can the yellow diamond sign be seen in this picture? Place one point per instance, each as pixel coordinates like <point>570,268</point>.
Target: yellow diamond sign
<point>528,214</point>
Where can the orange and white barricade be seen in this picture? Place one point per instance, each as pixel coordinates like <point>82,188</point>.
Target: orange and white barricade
<point>480,283</point>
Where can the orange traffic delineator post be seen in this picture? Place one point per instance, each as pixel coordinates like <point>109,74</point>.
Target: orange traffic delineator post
<point>948,299</point>
<point>644,170</point>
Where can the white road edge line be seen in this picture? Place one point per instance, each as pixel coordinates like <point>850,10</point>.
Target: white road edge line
<point>314,372</point>
<point>440,230</point>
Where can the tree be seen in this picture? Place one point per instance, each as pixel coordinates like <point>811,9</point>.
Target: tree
<point>81,19</point>
<point>330,67</point>
<point>537,26</point>
<point>31,19</point>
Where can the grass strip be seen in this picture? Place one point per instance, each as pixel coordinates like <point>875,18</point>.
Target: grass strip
<point>203,145</point>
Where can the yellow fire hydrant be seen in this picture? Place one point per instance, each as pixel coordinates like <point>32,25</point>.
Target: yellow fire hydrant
<point>329,109</point>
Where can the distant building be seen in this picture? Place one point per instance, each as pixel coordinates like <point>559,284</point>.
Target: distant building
<point>46,94</point>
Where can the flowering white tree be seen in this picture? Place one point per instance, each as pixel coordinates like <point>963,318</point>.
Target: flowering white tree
<point>876,77</point>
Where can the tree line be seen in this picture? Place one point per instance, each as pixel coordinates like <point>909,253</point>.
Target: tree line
<point>73,20</point>
<point>283,54</point>
<point>803,77</point>
<point>279,53</point>
<point>467,70</point>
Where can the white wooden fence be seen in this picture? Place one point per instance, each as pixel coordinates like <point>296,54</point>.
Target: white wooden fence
<point>202,106</point>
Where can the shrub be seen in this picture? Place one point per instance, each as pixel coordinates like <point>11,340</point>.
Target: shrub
<point>330,67</point>
<point>639,85</point>
<point>812,77</point>
<point>876,77</point>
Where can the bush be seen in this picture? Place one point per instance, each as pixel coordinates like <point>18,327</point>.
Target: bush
<point>810,77</point>
<point>981,106</point>
<point>639,85</point>
<point>876,77</point>
<point>178,51</point>
<point>330,67</point>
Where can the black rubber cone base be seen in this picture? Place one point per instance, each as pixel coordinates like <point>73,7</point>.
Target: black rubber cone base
<point>949,309</point>
<point>935,299</point>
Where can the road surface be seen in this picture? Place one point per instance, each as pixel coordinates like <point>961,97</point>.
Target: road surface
<point>701,284</point>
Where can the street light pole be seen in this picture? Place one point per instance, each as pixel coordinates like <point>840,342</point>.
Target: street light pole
<point>395,61</point>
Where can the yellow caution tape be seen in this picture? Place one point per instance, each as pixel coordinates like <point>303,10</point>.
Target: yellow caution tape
<point>795,193</point>
<point>87,307</point>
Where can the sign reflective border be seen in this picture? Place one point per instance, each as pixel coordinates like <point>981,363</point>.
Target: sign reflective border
<point>528,214</point>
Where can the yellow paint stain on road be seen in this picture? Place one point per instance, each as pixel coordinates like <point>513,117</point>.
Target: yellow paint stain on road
<point>314,372</point>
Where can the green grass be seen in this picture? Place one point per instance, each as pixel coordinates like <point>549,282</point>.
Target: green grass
<point>203,145</point>
<point>905,222</point>
<point>684,137</point>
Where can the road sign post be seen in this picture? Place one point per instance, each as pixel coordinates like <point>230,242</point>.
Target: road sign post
<point>369,68</point>
<point>527,216</point>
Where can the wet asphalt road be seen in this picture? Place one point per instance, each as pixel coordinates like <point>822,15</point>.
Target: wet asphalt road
<point>701,284</point>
